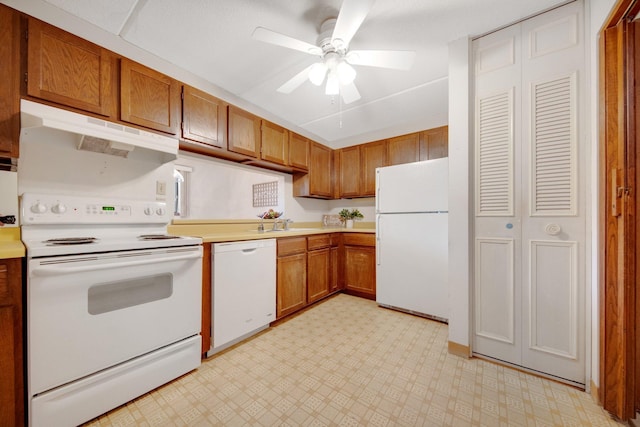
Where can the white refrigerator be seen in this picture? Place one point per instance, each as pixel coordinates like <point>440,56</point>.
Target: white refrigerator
<point>412,238</point>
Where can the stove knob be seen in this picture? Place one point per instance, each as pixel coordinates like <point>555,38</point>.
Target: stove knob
<point>58,208</point>
<point>160,211</point>
<point>148,210</point>
<point>38,207</point>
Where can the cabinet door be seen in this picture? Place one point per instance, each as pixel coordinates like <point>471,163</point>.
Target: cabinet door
<point>320,171</point>
<point>68,70</point>
<point>298,152</point>
<point>434,143</point>
<point>360,270</point>
<point>203,117</point>
<point>11,383</point>
<point>404,149</point>
<point>291,284</point>
<point>9,82</point>
<point>318,276</point>
<point>243,132</point>
<point>372,155</point>
<point>148,98</point>
<point>334,281</point>
<point>349,180</point>
<point>274,143</point>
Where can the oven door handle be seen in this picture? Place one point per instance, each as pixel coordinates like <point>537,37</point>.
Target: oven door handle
<point>59,269</point>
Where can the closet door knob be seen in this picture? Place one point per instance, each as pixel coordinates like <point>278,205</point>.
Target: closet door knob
<point>553,229</point>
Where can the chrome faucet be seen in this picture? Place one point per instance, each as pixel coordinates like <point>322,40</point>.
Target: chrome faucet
<point>286,223</point>
<point>275,224</point>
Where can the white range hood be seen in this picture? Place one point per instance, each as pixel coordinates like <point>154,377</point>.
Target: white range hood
<point>39,121</point>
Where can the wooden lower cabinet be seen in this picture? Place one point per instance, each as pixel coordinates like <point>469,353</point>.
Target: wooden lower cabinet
<point>360,264</point>
<point>291,272</point>
<point>318,274</point>
<point>11,348</point>
<point>314,267</point>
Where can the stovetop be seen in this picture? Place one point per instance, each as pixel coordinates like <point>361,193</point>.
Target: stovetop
<point>54,225</point>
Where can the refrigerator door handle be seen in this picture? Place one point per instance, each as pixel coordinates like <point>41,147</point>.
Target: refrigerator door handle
<point>378,236</point>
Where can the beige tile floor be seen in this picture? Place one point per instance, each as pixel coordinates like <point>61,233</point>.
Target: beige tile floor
<point>347,362</point>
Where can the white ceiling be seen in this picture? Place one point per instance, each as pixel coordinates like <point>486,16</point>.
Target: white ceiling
<point>212,39</point>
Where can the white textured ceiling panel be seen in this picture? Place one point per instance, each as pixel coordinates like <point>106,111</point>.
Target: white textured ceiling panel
<point>109,15</point>
<point>212,40</point>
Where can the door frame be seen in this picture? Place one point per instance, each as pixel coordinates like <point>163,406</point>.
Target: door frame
<point>618,212</point>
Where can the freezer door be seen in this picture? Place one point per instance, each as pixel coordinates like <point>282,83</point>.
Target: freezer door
<point>413,187</point>
<point>412,263</point>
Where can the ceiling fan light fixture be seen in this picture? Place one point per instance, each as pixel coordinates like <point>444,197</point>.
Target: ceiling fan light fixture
<point>346,73</point>
<point>317,73</point>
<point>333,84</point>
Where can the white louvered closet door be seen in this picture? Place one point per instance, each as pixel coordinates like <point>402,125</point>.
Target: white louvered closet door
<point>529,288</point>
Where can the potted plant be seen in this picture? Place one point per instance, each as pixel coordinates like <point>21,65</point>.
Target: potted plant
<point>347,216</point>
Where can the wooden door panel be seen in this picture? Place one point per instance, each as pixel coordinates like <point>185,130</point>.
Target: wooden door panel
<point>349,172</point>
<point>318,267</point>
<point>243,132</point>
<point>373,155</point>
<point>274,144</point>
<point>434,143</point>
<point>10,86</point>
<point>404,149</point>
<point>298,152</point>
<point>203,117</point>
<point>68,70</point>
<point>148,98</point>
<point>291,284</point>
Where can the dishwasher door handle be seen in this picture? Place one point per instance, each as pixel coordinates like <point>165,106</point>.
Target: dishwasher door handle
<point>249,251</point>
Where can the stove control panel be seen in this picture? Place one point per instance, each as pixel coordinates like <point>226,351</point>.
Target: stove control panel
<point>56,209</point>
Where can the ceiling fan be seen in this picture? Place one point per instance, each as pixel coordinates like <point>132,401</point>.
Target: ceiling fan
<point>336,59</point>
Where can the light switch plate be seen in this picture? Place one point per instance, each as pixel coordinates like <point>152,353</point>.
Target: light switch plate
<point>161,188</point>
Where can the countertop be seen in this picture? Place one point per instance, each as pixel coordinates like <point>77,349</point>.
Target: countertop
<point>10,244</point>
<point>216,231</point>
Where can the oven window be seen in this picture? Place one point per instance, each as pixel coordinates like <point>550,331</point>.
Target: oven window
<point>106,297</point>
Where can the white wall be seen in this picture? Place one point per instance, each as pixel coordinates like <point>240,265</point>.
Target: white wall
<point>460,208</point>
<point>223,190</point>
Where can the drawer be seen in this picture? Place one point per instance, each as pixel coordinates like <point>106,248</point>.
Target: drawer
<point>359,239</point>
<point>318,241</point>
<point>336,239</point>
<point>292,245</point>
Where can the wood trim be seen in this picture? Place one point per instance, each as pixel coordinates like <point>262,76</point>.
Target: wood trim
<point>617,212</point>
<point>593,388</point>
<point>459,349</point>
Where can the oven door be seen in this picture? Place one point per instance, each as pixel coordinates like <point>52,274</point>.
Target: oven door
<point>90,312</point>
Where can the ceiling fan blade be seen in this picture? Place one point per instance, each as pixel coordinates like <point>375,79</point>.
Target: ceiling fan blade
<point>295,81</point>
<point>395,59</point>
<point>349,93</point>
<point>351,15</point>
<point>269,36</point>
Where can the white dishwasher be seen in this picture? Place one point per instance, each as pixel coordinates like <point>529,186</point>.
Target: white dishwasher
<point>243,297</point>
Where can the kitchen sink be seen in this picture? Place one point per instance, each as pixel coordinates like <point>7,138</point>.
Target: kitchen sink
<point>280,230</point>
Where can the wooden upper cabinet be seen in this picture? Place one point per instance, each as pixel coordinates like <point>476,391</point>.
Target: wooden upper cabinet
<point>434,143</point>
<point>298,152</point>
<point>9,82</point>
<point>148,98</point>
<point>349,171</point>
<point>274,146</point>
<point>243,132</point>
<point>204,117</point>
<point>404,149</point>
<point>372,155</point>
<point>320,171</point>
<point>68,70</point>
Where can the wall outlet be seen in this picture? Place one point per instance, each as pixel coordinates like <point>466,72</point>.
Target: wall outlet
<point>161,188</point>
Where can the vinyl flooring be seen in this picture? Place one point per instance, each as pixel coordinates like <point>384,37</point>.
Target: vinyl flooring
<point>348,362</point>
